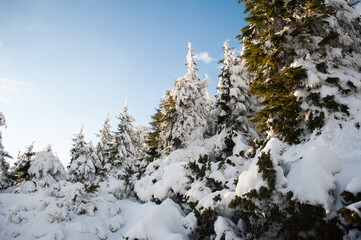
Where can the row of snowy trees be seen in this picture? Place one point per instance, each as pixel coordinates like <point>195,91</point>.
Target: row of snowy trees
<point>186,114</point>
<point>122,150</point>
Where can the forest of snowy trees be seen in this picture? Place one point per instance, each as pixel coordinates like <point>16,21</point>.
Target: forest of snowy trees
<point>276,155</point>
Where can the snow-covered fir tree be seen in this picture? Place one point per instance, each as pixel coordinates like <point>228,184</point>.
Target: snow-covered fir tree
<point>153,137</point>
<point>234,107</point>
<point>79,145</point>
<point>233,103</point>
<point>5,180</point>
<point>128,164</point>
<point>306,59</point>
<point>46,167</point>
<point>85,163</point>
<point>23,163</point>
<point>168,117</point>
<point>190,104</point>
<point>125,138</point>
<point>104,147</point>
<point>141,133</point>
<point>297,49</point>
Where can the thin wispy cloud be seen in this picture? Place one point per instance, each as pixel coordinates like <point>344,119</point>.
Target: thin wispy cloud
<point>204,57</point>
<point>9,88</point>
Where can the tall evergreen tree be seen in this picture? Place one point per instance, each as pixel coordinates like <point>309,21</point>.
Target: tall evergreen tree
<point>153,136</point>
<point>104,148</point>
<point>126,152</point>
<point>159,139</point>
<point>23,163</point>
<point>84,164</point>
<point>79,146</point>
<point>128,159</point>
<point>168,118</point>
<point>189,106</point>
<point>295,48</point>
<point>234,106</point>
<point>141,133</point>
<point>5,180</point>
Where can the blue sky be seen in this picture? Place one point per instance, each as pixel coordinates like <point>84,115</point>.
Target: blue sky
<point>65,63</point>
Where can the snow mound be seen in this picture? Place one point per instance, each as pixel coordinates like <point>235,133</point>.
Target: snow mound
<point>354,186</point>
<point>312,177</point>
<point>151,221</point>
<point>225,227</point>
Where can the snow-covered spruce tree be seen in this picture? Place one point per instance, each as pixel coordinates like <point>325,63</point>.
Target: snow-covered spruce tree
<point>141,133</point>
<point>5,179</point>
<point>126,152</point>
<point>191,105</point>
<point>297,49</point>
<point>159,139</point>
<point>23,163</point>
<point>104,147</point>
<point>305,66</point>
<point>233,103</point>
<point>46,167</point>
<point>234,107</point>
<point>84,162</point>
<point>168,117</point>
<point>128,164</point>
<point>153,136</point>
<point>79,146</point>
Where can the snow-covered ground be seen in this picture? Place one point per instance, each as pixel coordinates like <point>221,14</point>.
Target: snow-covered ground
<point>40,215</point>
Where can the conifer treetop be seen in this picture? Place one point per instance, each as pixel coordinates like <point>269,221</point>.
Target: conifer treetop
<point>125,109</point>
<point>188,105</point>
<point>227,54</point>
<point>105,134</point>
<point>192,66</point>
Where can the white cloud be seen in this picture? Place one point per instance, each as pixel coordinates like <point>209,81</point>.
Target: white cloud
<point>1,44</point>
<point>9,87</point>
<point>204,56</point>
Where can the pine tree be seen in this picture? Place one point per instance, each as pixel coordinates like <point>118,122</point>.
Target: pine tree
<point>295,48</point>
<point>128,159</point>
<point>169,117</point>
<point>23,164</point>
<point>84,164</point>
<point>141,133</point>
<point>79,146</point>
<point>188,105</point>
<point>153,136</point>
<point>5,179</point>
<point>47,167</point>
<point>126,152</point>
<point>159,139</point>
<point>104,148</point>
<point>234,107</point>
